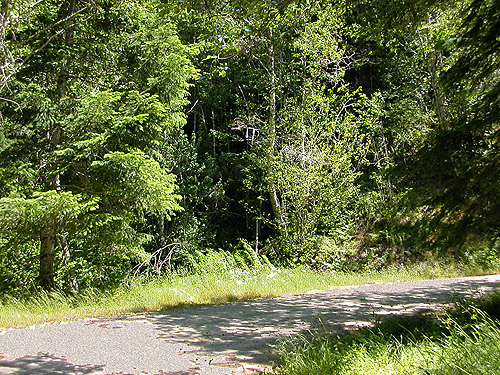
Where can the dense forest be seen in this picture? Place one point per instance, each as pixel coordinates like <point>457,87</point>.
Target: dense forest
<point>138,135</point>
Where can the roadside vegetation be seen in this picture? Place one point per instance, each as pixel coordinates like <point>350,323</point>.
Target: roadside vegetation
<point>217,277</point>
<point>164,153</point>
<point>155,153</point>
<point>139,136</point>
<point>463,340</point>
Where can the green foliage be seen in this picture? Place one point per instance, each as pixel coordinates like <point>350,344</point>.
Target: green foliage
<point>28,216</point>
<point>88,112</point>
<point>468,344</point>
<point>318,166</point>
<point>336,134</point>
<point>23,219</point>
<point>470,147</point>
<point>18,267</point>
<point>136,182</point>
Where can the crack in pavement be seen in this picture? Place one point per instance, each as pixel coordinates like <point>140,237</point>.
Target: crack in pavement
<point>234,338</point>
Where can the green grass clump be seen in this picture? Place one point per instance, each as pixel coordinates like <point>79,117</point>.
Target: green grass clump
<point>465,342</point>
<point>367,352</point>
<point>471,349</point>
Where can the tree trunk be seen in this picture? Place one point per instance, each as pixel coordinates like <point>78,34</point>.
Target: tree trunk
<point>54,135</point>
<point>271,186</point>
<point>4,10</point>
<point>62,79</point>
<point>436,64</point>
<point>5,54</point>
<point>47,245</point>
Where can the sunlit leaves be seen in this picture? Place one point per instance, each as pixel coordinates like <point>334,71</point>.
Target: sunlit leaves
<point>90,106</point>
<point>137,182</point>
<point>111,121</point>
<point>31,214</point>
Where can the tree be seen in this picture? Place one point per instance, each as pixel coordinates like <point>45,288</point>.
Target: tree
<point>467,178</point>
<point>282,67</point>
<point>94,106</point>
<point>434,61</point>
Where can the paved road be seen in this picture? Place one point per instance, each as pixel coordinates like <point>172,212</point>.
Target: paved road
<point>234,338</point>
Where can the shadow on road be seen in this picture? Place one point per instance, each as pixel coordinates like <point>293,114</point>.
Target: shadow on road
<point>45,364</point>
<point>247,330</point>
<point>217,339</point>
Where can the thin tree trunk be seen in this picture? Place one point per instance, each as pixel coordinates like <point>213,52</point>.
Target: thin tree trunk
<point>62,79</point>
<point>257,229</point>
<point>47,245</point>
<point>436,64</point>
<point>5,55</point>
<point>3,14</point>
<point>213,135</point>
<point>257,232</point>
<point>271,185</point>
<point>54,135</point>
<point>4,10</point>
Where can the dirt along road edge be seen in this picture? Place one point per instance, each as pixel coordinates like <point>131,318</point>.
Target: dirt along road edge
<point>234,338</point>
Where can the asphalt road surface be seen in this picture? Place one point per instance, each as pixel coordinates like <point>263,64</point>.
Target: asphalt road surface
<point>234,338</point>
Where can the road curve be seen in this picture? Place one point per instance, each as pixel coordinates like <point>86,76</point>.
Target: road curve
<point>234,338</point>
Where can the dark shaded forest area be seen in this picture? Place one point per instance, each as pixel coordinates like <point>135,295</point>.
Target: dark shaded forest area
<point>138,135</point>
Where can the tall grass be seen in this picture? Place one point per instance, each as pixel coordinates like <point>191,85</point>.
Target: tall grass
<point>461,342</point>
<point>217,277</point>
<point>473,349</point>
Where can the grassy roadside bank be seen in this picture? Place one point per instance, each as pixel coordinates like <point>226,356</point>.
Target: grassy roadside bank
<point>465,340</point>
<point>209,285</point>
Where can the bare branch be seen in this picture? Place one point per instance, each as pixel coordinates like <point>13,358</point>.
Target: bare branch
<point>11,101</point>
